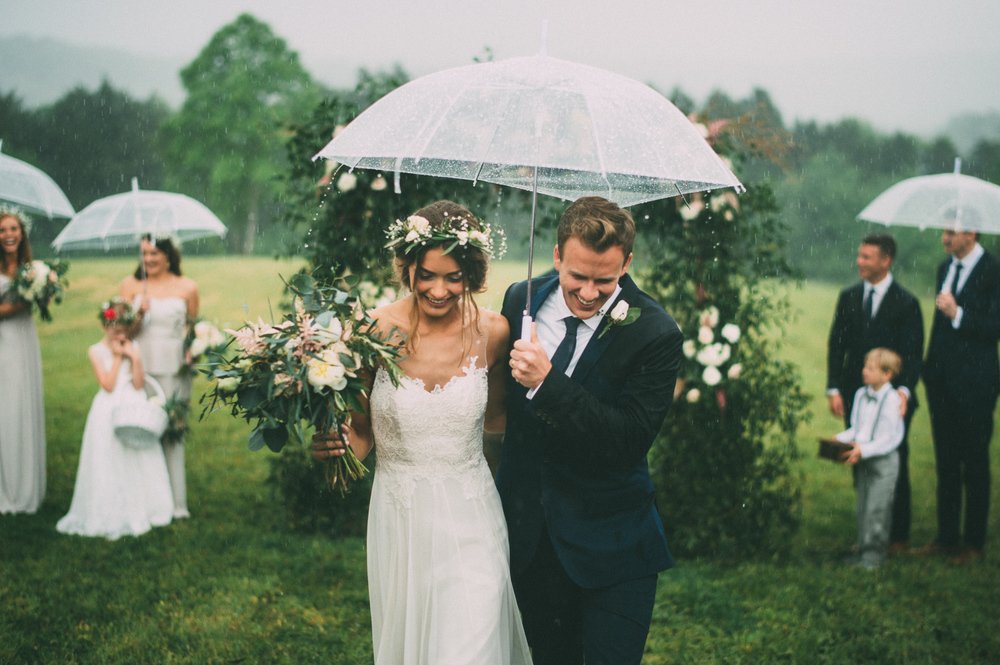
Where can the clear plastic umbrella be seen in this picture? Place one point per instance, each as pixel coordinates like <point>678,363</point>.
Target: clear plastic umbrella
<point>536,123</point>
<point>119,221</point>
<point>946,200</point>
<point>31,189</point>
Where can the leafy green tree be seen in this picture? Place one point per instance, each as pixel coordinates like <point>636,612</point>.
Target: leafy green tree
<point>18,128</point>
<point>225,145</point>
<point>723,462</point>
<point>94,143</point>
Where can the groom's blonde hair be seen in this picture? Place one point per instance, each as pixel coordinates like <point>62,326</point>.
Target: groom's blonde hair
<point>597,223</point>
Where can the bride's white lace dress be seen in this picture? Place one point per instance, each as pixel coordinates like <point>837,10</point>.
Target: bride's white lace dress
<point>438,571</point>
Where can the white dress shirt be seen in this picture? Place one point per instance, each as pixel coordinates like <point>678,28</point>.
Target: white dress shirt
<point>968,264</point>
<point>876,424</point>
<point>879,292</point>
<point>551,329</point>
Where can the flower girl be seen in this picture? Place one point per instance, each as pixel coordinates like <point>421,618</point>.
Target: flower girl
<point>120,491</point>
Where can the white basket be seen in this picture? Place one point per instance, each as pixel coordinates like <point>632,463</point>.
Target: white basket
<point>141,423</point>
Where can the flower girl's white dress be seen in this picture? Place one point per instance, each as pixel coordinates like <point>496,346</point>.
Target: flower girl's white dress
<point>438,560</point>
<point>120,491</point>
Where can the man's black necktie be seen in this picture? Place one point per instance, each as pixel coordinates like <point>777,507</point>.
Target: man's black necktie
<point>954,280</point>
<point>869,306</point>
<point>564,352</point>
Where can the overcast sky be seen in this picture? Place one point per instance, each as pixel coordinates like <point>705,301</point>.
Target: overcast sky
<point>900,64</point>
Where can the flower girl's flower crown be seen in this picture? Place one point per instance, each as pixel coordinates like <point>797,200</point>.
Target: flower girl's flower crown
<point>116,312</point>
<point>415,232</point>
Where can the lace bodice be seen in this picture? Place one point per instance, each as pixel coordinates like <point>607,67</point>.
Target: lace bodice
<point>423,435</point>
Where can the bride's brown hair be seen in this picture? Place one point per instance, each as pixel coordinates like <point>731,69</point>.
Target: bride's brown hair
<point>472,261</point>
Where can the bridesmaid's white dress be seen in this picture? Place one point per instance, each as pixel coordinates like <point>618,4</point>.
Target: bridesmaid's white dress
<point>22,412</point>
<point>119,491</point>
<point>161,341</point>
<point>438,555</point>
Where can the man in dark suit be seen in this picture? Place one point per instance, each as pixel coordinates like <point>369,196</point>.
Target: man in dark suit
<point>878,312</point>
<point>962,377</point>
<point>587,395</point>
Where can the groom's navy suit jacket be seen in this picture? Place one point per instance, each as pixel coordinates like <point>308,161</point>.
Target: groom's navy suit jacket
<point>573,463</point>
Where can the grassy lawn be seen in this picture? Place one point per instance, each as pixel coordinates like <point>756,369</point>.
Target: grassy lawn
<point>232,584</point>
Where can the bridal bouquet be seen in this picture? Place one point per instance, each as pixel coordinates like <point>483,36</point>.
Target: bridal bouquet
<point>309,369</point>
<point>40,283</point>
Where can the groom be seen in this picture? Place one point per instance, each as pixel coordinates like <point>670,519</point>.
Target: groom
<point>586,397</point>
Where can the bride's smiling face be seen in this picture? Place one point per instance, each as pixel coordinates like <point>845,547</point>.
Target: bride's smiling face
<point>154,261</point>
<point>10,234</point>
<point>437,283</point>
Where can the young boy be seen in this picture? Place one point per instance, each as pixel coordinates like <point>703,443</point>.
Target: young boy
<point>875,433</point>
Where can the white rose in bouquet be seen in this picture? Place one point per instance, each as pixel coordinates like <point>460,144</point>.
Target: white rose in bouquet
<point>734,371</point>
<point>705,335</point>
<point>327,370</point>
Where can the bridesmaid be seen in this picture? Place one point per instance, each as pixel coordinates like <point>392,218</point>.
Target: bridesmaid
<point>22,412</point>
<point>166,301</point>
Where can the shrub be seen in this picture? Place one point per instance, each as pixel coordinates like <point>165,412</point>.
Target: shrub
<point>722,463</point>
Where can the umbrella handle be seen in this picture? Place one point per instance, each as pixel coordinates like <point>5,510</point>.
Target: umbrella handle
<point>526,324</point>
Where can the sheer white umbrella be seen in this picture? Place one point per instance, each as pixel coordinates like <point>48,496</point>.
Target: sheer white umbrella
<point>536,123</point>
<point>31,189</point>
<point>120,221</point>
<point>942,201</point>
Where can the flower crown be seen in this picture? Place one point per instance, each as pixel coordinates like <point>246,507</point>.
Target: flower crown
<point>11,210</point>
<point>116,312</point>
<point>415,232</point>
<point>160,236</point>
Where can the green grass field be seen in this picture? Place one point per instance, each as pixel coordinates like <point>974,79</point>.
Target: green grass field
<point>232,585</point>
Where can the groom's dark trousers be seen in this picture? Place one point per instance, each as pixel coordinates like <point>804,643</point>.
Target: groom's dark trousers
<point>586,540</point>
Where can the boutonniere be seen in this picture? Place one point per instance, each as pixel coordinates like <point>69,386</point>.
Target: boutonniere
<point>620,315</point>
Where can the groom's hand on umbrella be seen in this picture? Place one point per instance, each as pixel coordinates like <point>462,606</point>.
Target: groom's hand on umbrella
<point>529,365</point>
<point>327,445</point>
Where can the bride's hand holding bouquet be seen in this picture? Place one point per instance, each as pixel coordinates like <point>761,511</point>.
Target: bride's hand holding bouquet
<point>311,369</point>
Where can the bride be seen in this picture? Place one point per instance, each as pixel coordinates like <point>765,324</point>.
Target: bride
<point>438,571</point>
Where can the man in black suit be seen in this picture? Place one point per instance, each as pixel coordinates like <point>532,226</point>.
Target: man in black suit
<point>587,395</point>
<point>962,377</point>
<point>878,312</point>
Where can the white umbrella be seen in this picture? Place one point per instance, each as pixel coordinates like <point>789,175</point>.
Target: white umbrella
<point>31,189</point>
<point>535,123</point>
<point>119,221</point>
<point>947,200</point>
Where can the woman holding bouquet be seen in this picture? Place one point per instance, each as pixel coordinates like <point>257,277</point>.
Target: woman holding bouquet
<point>22,412</point>
<point>165,301</point>
<point>438,571</point>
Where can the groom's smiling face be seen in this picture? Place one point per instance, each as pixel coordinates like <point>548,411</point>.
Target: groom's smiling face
<point>588,277</point>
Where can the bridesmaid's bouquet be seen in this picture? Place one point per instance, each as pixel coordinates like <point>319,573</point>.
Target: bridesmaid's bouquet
<point>40,283</point>
<point>308,370</point>
<point>201,336</point>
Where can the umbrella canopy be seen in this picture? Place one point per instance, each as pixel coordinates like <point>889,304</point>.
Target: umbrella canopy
<point>31,189</point>
<point>121,220</point>
<point>943,201</point>
<point>535,123</point>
